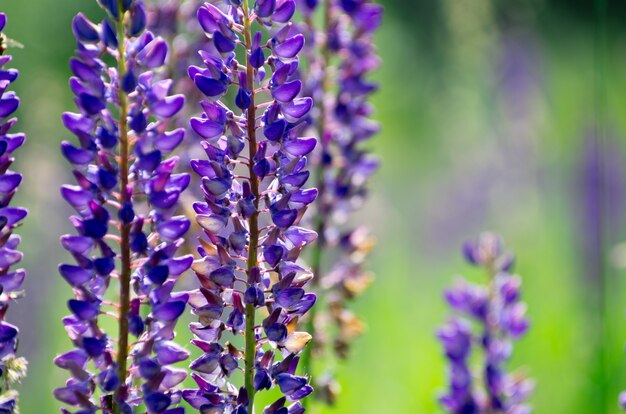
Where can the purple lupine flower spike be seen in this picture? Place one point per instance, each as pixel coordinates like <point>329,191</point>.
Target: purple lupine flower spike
<point>500,316</point>
<point>125,197</point>
<point>12,368</point>
<point>253,181</point>
<point>342,55</point>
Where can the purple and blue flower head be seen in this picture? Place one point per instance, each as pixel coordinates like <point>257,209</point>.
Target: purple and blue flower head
<point>125,197</point>
<point>12,368</point>
<point>253,181</point>
<point>487,319</point>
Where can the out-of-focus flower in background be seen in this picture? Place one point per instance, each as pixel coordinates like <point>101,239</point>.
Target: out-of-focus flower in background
<point>488,318</point>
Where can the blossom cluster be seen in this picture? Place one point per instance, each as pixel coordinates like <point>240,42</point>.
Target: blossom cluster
<point>488,318</point>
<point>125,197</point>
<point>253,177</point>
<point>12,368</point>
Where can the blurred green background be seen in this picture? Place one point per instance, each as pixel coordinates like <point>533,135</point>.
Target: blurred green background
<point>500,115</point>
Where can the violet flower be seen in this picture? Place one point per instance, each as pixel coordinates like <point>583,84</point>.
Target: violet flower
<point>253,183</point>
<point>341,57</point>
<point>125,196</point>
<point>176,22</point>
<point>12,368</point>
<point>500,318</point>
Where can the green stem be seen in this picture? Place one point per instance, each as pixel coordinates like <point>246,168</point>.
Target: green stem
<point>320,182</point>
<point>253,221</point>
<point>122,354</point>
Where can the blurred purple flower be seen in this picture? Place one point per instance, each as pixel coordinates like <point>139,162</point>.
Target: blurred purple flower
<point>125,197</point>
<point>506,166</point>
<point>518,72</point>
<point>600,199</point>
<point>341,56</point>
<point>501,318</point>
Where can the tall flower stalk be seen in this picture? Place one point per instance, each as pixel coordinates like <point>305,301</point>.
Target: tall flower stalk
<point>253,178</point>
<point>341,57</point>
<point>12,367</point>
<point>125,198</point>
<point>489,318</point>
